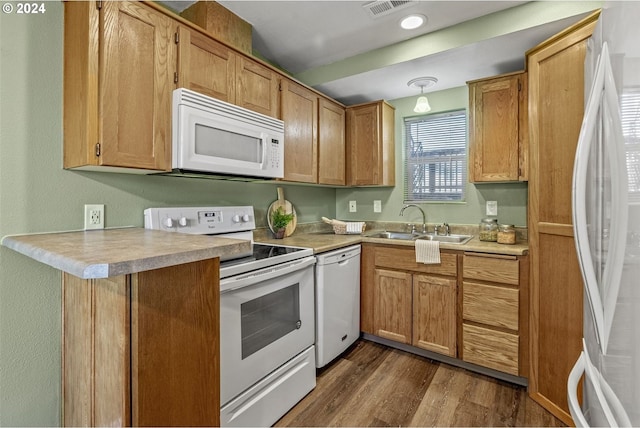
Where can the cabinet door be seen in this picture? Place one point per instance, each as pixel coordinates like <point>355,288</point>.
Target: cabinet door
<point>257,87</point>
<point>364,137</point>
<point>371,144</point>
<point>494,129</point>
<point>175,346</point>
<point>300,116</point>
<point>206,66</point>
<point>331,143</point>
<point>392,305</point>
<point>138,60</point>
<point>434,314</point>
<point>556,98</point>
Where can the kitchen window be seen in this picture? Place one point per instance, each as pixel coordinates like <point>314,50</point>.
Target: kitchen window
<point>435,157</point>
<point>629,108</point>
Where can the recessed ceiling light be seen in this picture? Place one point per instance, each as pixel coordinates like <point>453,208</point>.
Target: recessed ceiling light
<point>412,22</point>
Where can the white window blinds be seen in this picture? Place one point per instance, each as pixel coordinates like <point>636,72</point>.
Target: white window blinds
<point>630,112</point>
<point>435,157</point>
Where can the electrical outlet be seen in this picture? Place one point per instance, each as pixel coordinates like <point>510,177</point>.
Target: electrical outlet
<point>377,206</point>
<point>492,208</point>
<point>352,207</point>
<point>93,216</point>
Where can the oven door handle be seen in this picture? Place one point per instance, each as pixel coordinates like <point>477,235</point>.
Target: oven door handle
<point>257,276</point>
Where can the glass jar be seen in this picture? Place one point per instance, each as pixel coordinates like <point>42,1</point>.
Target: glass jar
<point>488,230</point>
<point>506,234</point>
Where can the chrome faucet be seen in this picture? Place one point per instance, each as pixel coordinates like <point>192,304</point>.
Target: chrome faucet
<point>424,217</point>
<point>442,229</point>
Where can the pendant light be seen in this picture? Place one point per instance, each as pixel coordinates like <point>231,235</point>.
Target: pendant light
<point>422,104</point>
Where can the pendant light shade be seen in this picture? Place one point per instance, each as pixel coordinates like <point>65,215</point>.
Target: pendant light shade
<point>422,104</point>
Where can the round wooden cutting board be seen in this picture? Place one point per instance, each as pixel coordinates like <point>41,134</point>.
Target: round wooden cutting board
<point>287,207</point>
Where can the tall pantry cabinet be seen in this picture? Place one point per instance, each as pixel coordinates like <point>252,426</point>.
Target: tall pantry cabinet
<point>556,104</point>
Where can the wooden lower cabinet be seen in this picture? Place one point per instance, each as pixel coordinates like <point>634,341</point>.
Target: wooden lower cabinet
<point>407,302</point>
<point>392,305</point>
<point>471,306</point>
<point>494,312</point>
<point>434,314</point>
<point>142,349</point>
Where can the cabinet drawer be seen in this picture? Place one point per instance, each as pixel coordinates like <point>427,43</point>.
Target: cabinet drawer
<point>487,304</point>
<point>503,269</point>
<point>490,348</point>
<point>405,259</point>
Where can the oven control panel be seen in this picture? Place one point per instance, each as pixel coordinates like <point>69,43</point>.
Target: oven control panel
<point>200,220</point>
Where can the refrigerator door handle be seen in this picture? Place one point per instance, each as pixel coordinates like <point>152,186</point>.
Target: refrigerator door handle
<point>603,97</point>
<point>572,392</point>
<point>615,147</point>
<point>580,167</point>
<point>607,399</point>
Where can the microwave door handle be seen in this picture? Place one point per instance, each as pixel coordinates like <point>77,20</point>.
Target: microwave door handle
<point>263,142</point>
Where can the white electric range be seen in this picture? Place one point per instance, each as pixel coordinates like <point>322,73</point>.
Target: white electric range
<point>267,315</point>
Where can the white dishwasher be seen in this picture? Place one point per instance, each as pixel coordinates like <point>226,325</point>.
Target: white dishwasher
<point>337,302</point>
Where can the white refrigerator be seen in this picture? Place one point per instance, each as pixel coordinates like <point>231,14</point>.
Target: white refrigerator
<point>606,222</point>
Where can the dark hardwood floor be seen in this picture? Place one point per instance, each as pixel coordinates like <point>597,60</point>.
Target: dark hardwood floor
<point>374,385</point>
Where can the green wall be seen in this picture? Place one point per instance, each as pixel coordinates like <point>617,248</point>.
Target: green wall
<point>511,197</point>
<point>37,195</point>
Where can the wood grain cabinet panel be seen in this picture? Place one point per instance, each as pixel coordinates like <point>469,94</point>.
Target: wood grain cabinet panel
<point>140,351</point>
<point>409,303</point>
<point>257,87</point>
<point>498,134</point>
<point>392,305</point>
<point>491,305</point>
<point>206,66</point>
<point>404,258</point>
<point>300,116</point>
<point>332,150</point>
<point>434,314</point>
<point>556,100</point>
<point>114,117</point>
<point>490,348</point>
<point>371,144</point>
<point>495,316</point>
<point>491,267</point>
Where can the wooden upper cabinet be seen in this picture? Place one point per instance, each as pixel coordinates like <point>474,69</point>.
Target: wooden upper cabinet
<point>498,129</point>
<point>370,144</point>
<point>300,116</point>
<point>206,66</point>
<point>257,87</point>
<point>113,116</point>
<point>331,143</point>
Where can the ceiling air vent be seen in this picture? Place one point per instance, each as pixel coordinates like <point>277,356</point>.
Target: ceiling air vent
<point>384,7</point>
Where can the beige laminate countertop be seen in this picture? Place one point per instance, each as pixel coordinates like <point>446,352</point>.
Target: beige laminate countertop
<point>327,241</point>
<point>112,252</point>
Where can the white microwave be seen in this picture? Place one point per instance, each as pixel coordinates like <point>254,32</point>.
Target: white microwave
<point>214,137</point>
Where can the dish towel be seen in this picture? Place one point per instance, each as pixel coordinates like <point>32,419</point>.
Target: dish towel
<point>354,226</point>
<point>427,252</point>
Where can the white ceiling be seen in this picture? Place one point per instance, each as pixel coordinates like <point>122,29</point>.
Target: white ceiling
<point>300,36</point>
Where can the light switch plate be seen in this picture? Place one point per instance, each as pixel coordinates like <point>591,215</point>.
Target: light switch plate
<point>492,208</point>
<point>352,207</point>
<point>377,206</point>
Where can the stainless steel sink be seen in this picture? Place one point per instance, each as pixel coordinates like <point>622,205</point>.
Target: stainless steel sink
<point>394,235</point>
<point>449,239</point>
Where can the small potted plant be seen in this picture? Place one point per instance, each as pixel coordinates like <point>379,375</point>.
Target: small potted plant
<point>279,221</point>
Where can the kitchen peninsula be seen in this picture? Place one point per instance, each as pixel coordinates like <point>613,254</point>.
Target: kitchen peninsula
<point>140,323</point>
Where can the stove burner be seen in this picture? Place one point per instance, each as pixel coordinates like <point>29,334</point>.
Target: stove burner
<point>262,252</point>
